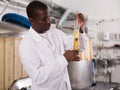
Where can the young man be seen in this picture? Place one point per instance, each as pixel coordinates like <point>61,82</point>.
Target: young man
<point>45,52</point>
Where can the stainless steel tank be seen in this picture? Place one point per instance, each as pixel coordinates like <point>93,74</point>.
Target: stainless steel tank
<point>80,73</point>
<point>21,84</point>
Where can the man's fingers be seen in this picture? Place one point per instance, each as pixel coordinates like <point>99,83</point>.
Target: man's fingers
<point>72,55</point>
<point>76,51</point>
<point>77,57</point>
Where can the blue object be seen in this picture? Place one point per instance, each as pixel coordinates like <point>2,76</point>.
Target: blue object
<point>16,19</point>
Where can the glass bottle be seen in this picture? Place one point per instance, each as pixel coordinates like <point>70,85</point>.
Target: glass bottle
<point>76,37</point>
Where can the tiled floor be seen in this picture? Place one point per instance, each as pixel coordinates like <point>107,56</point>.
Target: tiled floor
<point>103,86</point>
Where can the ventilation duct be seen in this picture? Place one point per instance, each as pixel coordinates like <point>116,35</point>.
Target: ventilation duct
<point>59,12</point>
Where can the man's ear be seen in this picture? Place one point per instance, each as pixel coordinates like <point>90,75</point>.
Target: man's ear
<point>31,21</point>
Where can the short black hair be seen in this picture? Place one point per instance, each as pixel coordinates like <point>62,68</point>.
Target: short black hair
<point>33,6</point>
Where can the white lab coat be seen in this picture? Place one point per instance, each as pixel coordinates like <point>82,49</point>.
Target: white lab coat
<point>44,61</point>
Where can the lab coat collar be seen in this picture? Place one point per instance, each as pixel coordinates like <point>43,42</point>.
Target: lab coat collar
<point>36,36</point>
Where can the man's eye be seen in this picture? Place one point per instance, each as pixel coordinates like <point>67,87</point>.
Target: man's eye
<point>44,18</point>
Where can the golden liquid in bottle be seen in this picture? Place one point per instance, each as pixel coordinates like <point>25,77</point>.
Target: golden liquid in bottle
<point>76,36</point>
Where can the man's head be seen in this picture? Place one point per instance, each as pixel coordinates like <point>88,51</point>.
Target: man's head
<point>37,13</point>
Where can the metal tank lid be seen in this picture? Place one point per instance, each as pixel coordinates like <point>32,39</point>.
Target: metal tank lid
<point>11,30</point>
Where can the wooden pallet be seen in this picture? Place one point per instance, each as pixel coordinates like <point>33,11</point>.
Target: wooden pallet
<point>10,65</point>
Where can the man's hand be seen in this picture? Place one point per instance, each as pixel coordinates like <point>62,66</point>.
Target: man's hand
<point>72,55</point>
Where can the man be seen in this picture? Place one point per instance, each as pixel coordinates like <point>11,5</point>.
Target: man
<point>45,52</point>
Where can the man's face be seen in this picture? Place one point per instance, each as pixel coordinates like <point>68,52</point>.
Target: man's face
<point>41,22</point>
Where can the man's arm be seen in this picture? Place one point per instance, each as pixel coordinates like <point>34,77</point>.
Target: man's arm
<point>38,72</point>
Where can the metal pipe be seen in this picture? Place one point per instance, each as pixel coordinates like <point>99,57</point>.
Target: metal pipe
<point>11,6</point>
<point>22,3</point>
<point>49,3</point>
<point>63,18</point>
<point>7,4</point>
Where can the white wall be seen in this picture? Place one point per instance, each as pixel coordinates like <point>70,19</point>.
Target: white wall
<point>95,9</point>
